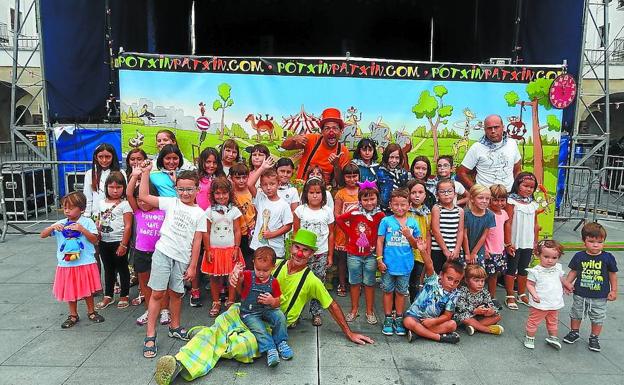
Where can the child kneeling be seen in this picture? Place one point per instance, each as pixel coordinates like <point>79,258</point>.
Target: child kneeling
<point>260,306</point>
<point>475,309</point>
<point>430,315</point>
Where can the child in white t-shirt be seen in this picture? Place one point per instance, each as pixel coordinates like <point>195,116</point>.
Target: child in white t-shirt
<point>274,218</point>
<point>314,215</point>
<point>546,285</point>
<point>176,252</point>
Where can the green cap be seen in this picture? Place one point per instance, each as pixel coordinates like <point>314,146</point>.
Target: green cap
<point>306,238</point>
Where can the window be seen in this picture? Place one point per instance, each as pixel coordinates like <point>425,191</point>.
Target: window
<point>15,24</point>
<point>601,34</point>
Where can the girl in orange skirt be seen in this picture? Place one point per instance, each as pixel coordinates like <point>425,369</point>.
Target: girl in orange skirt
<point>221,241</point>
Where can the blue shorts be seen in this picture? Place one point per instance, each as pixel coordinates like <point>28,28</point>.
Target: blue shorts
<point>362,269</point>
<point>395,283</point>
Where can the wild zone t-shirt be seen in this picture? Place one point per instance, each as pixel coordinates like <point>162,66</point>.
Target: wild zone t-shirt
<point>178,229</point>
<point>397,252</point>
<point>271,216</point>
<point>86,248</point>
<point>592,273</point>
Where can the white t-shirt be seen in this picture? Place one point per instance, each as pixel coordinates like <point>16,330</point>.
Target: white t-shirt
<point>222,227</point>
<point>271,216</point>
<point>317,221</point>
<point>289,194</point>
<point>111,219</point>
<point>493,166</point>
<point>548,286</point>
<point>94,197</point>
<point>179,227</point>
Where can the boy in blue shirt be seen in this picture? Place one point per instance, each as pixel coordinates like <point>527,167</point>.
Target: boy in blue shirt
<point>396,236</point>
<point>593,273</point>
<point>431,314</point>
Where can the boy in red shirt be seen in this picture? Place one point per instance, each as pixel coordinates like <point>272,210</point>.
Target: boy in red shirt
<point>260,306</point>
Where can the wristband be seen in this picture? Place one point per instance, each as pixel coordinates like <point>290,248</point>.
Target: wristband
<point>122,245</point>
<point>379,257</point>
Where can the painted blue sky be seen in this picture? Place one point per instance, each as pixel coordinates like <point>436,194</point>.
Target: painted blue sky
<point>283,95</point>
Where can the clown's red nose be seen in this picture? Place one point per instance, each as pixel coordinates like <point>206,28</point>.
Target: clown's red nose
<point>299,254</point>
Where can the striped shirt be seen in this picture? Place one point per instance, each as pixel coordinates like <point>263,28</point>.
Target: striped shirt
<point>449,225</point>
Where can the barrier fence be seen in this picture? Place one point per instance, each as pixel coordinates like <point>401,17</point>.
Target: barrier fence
<point>32,190</point>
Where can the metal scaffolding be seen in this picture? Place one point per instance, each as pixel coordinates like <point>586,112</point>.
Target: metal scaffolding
<point>21,145</point>
<point>594,65</point>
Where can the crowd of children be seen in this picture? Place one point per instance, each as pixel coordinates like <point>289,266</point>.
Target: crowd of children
<point>433,243</point>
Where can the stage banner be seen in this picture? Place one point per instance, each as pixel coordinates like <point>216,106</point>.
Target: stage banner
<point>429,109</point>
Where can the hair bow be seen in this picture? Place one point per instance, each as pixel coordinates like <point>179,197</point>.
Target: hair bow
<point>367,184</point>
<point>310,179</point>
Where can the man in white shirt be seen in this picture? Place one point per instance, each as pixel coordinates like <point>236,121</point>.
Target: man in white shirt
<point>494,159</point>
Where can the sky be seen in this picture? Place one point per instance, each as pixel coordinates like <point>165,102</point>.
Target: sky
<point>279,96</point>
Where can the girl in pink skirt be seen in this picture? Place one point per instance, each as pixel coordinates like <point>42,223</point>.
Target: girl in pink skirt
<point>77,276</point>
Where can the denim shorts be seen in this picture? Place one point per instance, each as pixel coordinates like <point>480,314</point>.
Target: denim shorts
<point>362,269</point>
<point>395,283</point>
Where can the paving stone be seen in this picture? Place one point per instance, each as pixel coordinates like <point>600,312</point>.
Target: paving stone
<point>34,375</point>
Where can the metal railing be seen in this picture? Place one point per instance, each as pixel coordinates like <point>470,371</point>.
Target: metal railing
<point>577,199</point>
<point>31,191</point>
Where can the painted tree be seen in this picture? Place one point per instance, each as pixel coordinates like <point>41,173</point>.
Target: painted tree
<point>537,92</point>
<point>433,108</point>
<point>239,132</point>
<point>224,101</point>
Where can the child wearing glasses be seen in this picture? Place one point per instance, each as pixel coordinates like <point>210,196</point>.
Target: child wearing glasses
<point>444,170</point>
<point>447,226</point>
<point>176,252</point>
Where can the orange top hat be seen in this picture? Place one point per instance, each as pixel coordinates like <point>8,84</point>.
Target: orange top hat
<point>331,115</point>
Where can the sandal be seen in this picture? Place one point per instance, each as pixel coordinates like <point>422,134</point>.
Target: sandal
<point>371,319</point>
<point>341,291</point>
<point>70,321</point>
<point>215,309</point>
<point>525,303</point>
<point>511,305</point>
<point>104,303</point>
<point>350,317</point>
<point>150,351</point>
<point>228,304</point>
<point>95,317</point>
<point>138,300</point>
<point>123,303</point>
<point>317,321</point>
<point>179,333</point>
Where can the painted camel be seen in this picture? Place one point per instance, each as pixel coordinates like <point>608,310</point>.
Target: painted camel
<point>261,125</point>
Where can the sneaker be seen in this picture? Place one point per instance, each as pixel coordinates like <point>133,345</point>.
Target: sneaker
<point>529,342</point>
<point>496,329</point>
<point>594,344</point>
<point>411,336</point>
<point>165,317</point>
<point>399,329</point>
<point>497,304</point>
<point>195,301</point>
<point>449,338</point>
<point>388,328</point>
<point>554,342</point>
<point>272,357</point>
<point>167,369</point>
<point>142,320</point>
<point>285,352</point>
<point>470,330</point>
<point>571,337</point>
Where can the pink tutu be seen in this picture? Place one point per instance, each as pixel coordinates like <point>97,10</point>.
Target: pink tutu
<point>77,282</point>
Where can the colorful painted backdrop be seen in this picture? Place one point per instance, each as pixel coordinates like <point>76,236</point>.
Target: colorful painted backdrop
<point>430,109</point>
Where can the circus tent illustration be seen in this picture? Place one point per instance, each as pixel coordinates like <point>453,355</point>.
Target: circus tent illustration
<point>302,123</point>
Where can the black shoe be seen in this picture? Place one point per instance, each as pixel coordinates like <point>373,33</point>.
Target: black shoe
<point>411,336</point>
<point>571,337</point>
<point>450,338</point>
<point>594,344</point>
<point>497,304</point>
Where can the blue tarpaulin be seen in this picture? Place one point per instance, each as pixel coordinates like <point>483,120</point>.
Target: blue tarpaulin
<point>80,146</point>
